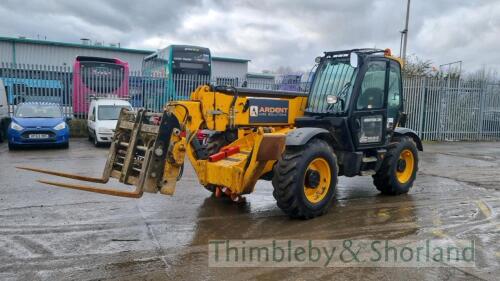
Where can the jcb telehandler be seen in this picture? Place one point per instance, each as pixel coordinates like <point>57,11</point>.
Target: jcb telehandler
<point>346,125</point>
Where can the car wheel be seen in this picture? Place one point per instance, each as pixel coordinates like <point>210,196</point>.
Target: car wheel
<point>12,146</point>
<point>65,145</point>
<point>96,142</point>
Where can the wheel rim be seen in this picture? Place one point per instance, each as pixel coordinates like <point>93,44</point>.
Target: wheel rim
<point>320,169</point>
<point>405,166</point>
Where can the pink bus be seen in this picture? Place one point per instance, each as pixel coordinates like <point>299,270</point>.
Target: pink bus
<point>99,77</point>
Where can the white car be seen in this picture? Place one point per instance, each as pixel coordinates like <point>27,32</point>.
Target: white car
<point>4,110</point>
<point>102,118</point>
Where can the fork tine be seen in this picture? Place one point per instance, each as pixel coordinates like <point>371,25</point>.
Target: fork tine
<point>64,175</point>
<point>136,193</point>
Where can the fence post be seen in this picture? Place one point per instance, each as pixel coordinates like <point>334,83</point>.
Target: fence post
<point>422,106</point>
<point>481,109</point>
<point>439,117</point>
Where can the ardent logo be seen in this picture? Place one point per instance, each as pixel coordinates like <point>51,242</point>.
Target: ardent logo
<point>254,111</point>
<point>273,109</point>
<point>268,110</point>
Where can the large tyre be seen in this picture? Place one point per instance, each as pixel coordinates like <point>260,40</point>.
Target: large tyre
<point>305,178</point>
<point>399,168</point>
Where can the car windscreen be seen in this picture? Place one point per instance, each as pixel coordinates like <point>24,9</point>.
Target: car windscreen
<point>109,112</point>
<point>38,111</point>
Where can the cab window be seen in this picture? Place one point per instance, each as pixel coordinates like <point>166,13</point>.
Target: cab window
<point>395,92</point>
<point>373,86</point>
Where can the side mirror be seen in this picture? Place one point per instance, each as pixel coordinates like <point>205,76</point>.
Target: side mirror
<point>353,59</point>
<point>331,99</point>
<point>317,60</point>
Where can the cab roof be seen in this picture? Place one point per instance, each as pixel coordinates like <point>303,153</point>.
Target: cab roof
<point>364,52</point>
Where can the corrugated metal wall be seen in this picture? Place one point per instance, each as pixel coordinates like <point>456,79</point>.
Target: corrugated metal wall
<point>62,55</point>
<point>230,69</point>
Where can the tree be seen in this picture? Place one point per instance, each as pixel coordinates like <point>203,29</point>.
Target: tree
<point>415,66</point>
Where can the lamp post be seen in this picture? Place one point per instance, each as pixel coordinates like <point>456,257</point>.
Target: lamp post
<point>404,34</point>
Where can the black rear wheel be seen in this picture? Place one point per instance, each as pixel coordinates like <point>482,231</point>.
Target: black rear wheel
<point>305,178</point>
<point>399,168</point>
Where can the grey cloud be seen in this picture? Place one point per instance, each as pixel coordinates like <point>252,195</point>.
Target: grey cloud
<point>270,33</point>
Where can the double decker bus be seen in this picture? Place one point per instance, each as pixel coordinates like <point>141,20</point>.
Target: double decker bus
<point>174,72</point>
<point>99,77</point>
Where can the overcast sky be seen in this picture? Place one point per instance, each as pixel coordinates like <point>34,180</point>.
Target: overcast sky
<point>270,33</point>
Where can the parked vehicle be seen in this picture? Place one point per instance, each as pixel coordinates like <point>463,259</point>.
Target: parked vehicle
<point>102,118</point>
<point>168,72</point>
<point>36,123</point>
<point>4,110</point>
<point>348,124</point>
<point>100,77</point>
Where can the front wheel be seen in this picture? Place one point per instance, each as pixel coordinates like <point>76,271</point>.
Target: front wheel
<point>305,178</point>
<point>12,146</point>
<point>96,142</point>
<point>399,168</point>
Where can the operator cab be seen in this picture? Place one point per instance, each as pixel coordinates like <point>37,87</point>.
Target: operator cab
<point>356,95</point>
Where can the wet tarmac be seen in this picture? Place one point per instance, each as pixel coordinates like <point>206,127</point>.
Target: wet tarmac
<point>58,234</point>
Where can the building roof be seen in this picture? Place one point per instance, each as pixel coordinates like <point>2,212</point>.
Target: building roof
<point>73,45</point>
<point>260,75</point>
<point>102,47</point>
<point>226,59</point>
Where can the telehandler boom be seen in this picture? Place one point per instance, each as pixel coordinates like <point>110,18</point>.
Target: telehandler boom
<point>346,125</point>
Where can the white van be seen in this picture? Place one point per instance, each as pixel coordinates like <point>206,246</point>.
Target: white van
<point>4,111</point>
<point>102,119</point>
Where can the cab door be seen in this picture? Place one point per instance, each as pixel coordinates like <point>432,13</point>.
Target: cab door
<point>369,112</point>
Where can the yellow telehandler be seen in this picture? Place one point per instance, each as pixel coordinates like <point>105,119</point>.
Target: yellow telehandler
<point>346,125</point>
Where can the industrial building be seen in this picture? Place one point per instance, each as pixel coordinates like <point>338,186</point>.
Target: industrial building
<point>51,53</point>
